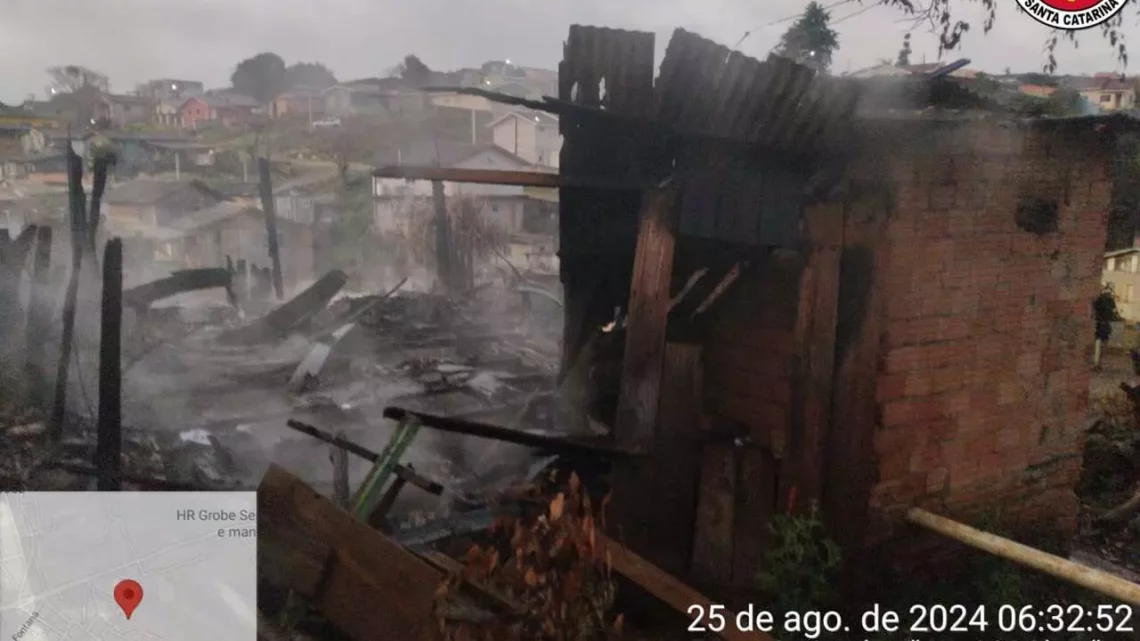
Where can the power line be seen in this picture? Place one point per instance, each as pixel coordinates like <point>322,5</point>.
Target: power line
<point>788,19</point>
<point>860,11</point>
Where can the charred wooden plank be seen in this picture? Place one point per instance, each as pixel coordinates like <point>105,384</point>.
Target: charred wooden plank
<point>639,398</point>
<point>265,190</point>
<point>676,456</point>
<point>666,587</point>
<point>77,203</point>
<point>815,361</point>
<point>402,472</point>
<point>716,516</point>
<point>373,588</point>
<point>179,282</point>
<point>550,442</point>
<point>109,443</point>
<point>279,322</point>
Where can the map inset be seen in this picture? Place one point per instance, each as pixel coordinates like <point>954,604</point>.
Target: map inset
<point>191,555</point>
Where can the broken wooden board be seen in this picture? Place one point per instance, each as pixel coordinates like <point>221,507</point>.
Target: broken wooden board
<point>364,582</point>
<point>666,587</point>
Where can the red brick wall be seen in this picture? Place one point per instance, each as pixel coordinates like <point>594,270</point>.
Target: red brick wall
<point>982,381</point>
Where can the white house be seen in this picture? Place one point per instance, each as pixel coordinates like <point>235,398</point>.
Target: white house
<point>394,199</point>
<point>530,135</point>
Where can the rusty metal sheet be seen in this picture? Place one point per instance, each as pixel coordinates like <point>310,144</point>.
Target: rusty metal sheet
<point>706,87</point>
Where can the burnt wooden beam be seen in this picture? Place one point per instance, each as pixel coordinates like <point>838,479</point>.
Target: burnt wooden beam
<point>637,411</point>
<point>402,472</point>
<point>279,322</point>
<point>101,169</point>
<point>675,456</point>
<point>813,369</point>
<point>77,204</point>
<point>504,177</point>
<point>109,431</point>
<point>553,443</point>
<point>179,282</point>
<point>265,190</point>
<point>364,582</point>
<point>667,587</point>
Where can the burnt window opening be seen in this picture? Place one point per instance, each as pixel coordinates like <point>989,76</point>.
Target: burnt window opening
<point>1037,215</point>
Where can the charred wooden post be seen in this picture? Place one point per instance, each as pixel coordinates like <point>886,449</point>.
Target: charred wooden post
<point>109,446</point>
<point>77,203</point>
<point>98,187</point>
<point>443,253</point>
<point>265,187</point>
<point>39,320</point>
<point>802,478</point>
<point>640,397</point>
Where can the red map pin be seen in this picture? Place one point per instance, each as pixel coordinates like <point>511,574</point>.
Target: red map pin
<point>128,594</point>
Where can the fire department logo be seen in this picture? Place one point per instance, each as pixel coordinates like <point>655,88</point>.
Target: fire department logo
<point>1071,15</point>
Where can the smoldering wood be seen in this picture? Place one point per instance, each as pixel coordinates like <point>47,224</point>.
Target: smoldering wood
<point>342,493</point>
<point>287,317</point>
<point>553,443</point>
<point>402,471</point>
<point>265,189</point>
<point>179,282</point>
<point>77,203</point>
<point>39,320</point>
<point>109,443</point>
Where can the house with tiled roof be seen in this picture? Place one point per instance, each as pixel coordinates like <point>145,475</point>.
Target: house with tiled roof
<point>226,108</point>
<point>1108,91</point>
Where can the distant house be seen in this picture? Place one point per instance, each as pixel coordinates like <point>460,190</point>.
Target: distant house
<point>44,166</point>
<point>146,202</point>
<point>462,101</point>
<point>373,96</point>
<point>170,89</point>
<point>82,108</point>
<point>530,135</point>
<point>300,102</point>
<point>1109,92</point>
<point>1122,273</point>
<point>395,199</point>
<point>205,238</point>
<point>167,114</point>
<point>227,109</point>
<point>1037,91</point>
<point>130,110</point>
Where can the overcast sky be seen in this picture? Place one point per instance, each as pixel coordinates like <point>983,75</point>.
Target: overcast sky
<point>136,40</point>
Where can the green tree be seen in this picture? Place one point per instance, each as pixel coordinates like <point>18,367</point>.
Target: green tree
<point>415,71</point>
<point>309,74</point>
<point>810,40</point>
<point>904,53</point>
<point>261,77</point>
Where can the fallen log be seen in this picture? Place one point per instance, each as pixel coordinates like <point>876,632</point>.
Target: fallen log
<point>1091,578</point>
<point>284,319</point>
<point>366,584</point>
<point>179,282</point>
